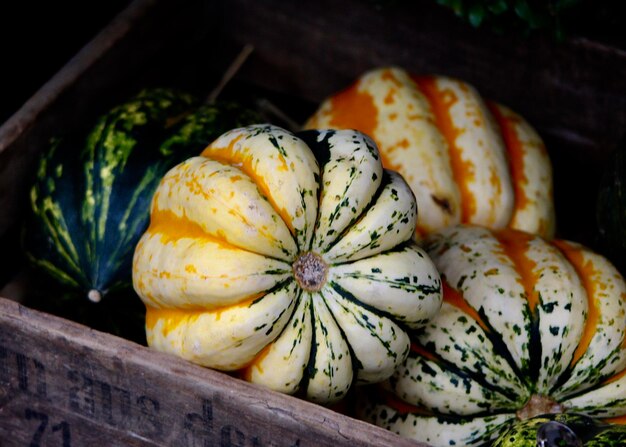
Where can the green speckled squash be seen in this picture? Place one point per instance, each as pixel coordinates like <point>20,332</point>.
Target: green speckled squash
<point>288,258</point>
<point>90,201</point>
<point>527,327</point>
<point>562,430</point>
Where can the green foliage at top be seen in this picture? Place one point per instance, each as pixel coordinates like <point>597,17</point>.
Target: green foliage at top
<point>521,15</point>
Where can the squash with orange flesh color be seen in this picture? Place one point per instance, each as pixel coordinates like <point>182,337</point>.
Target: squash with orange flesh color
<point>527,327</point>
<point>298,272</point>
<point>466,159</point>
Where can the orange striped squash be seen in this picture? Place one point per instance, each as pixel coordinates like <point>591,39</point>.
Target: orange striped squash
<point>299,273</point>
<point>466,159</point>
<point>527,327</point>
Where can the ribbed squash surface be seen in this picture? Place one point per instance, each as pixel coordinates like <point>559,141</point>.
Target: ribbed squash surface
<point>466,159</point>
<point>297,271</point>
<point>526,327</point>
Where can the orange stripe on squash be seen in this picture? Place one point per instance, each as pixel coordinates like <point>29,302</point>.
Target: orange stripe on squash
<point>615,377</point>
<point>441,101</point>
<point>246,371</point>
<point>172,227</point>
<point>402,407</point>
<point>496,183</point>
<point>353,109</point>
<point>623,297</point>
<point>586,272</point>
<point>172,318</point>
<point>515,245</point>
<point>619,420</point>
<point>455,298</point>
<point>243,160</point>
<point>245,302</point>
<point>422,352</point>
<point>515,152</point>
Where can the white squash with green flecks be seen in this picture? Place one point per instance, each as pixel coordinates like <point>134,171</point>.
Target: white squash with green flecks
<point>289,258</point>
<point>467,159</point>
<point>526,327</point>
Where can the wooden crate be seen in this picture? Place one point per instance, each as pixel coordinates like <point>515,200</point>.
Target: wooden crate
<point>64,384</point>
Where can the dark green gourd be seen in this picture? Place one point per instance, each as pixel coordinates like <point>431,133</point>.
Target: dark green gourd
<point>90,201</point>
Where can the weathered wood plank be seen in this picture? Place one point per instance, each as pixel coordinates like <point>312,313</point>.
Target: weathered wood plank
<point>64,384</point>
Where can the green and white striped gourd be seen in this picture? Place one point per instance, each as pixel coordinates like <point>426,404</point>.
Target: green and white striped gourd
<point>297,271</point>
<point>90,201</point>
<point>526,327</point>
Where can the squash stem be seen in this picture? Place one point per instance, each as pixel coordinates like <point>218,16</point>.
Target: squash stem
<point>310,271</point>
<point>538,405</point>
<point>94,296</point>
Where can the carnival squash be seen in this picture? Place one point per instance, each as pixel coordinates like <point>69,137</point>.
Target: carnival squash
<point>466,159</point>
<point>91,197</point>
<point>526,327</point>
<point>298,272</point>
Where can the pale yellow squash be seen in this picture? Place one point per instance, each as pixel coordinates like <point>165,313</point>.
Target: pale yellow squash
<point>300,274</point>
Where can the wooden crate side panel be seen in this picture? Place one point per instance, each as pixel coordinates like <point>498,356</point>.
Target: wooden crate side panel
<point>64,384</point>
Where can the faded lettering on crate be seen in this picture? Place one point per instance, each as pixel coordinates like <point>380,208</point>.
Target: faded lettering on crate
<point>52,398</point>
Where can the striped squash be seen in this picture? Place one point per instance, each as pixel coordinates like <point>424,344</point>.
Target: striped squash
<point>466,160</point>
<point>526,327</point>
<point>91,197</point>
<point>298,272</point>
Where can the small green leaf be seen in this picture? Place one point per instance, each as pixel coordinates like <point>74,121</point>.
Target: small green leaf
<point>476,15</point>
<point>455,5</point>
<point>565,4</point>
<point>522,9</point>
<point>498,7</point>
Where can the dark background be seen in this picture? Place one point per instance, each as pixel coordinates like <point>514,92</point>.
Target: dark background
<point>38,37</point>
